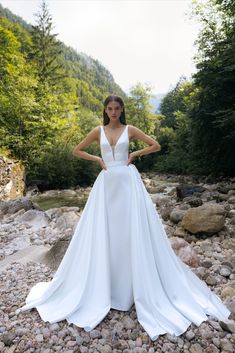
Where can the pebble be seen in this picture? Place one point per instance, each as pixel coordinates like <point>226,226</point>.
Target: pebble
<point>228,325</point>
<point>21,331</point>
<point>227,346</point>
<point>138,342</point>
<point>212,349</point>
<point>211,280</point>
<point>39,338</point>
<point>128,323</point>
<point>95,334</point>
<point>79,340</point>
<point>190,335</point>
<point>71,344</point>
<point>54,327</point>
<point>2,329</point>
<point>196,348</point>
<point>7,338</point>
<point>225,271</point>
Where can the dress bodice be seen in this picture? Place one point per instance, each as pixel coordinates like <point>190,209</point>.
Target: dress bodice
<point>118,154</point>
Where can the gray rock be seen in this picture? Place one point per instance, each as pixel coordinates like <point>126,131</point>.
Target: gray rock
<point>128,323</point>
<point>190,335</point>
<point>21,331</point>
<point>36,219</point>
<point>206,263</point>
<point>54,326</point>
<point>225,271</point>
<point>228,325</point>
<point>196,348</point>
<point>79,340</point>
<point>39,338</point>
<point>95,334</point>
<point>14,206</point>
<point>177,215</point>
<point>7,338</point>
<point>211,280</point>
<point>226,346</point>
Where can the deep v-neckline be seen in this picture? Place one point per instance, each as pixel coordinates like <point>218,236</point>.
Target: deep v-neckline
<point>117,139</point>
<point>113,148</point>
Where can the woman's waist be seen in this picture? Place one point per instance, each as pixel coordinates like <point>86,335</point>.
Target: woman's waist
<point>115,163</point>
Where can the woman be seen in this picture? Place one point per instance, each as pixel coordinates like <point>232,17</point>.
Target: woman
<point>119,254</point>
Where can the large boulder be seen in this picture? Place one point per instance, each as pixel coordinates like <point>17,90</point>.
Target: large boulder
<point>13,206</point>
<point>35,219</point>
<point>208,218</point>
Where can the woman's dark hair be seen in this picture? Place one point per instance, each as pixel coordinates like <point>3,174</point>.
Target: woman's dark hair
<point>114,98</point>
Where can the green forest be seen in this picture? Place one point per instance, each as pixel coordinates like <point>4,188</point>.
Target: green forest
<point>51,96</point>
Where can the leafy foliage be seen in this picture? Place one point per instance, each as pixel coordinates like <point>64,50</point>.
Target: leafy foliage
<point>199,116</point>
<point>49,96</point>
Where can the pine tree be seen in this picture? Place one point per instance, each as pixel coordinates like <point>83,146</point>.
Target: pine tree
<point>46,49</point>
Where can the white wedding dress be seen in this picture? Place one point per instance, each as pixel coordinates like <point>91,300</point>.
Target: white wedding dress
<point>120,255</point>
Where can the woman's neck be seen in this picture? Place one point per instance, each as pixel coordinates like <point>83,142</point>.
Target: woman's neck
<point>114,125</point>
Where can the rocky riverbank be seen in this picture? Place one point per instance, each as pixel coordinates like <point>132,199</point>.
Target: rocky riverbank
<point>199,220</point>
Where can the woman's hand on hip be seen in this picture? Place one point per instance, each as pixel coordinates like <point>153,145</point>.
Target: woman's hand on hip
<point>131,158</point>
<point>101,163</point>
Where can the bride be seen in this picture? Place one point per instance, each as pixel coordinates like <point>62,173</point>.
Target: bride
<point>120,255</point>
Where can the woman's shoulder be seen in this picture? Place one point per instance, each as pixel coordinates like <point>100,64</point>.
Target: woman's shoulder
<point>97,128</point>
<point>132,128</point>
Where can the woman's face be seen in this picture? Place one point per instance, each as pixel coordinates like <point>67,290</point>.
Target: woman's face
<point>113,110</point>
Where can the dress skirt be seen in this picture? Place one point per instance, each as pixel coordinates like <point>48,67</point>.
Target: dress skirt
<point>118,256</point>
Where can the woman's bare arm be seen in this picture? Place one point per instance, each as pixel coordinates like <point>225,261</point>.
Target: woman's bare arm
<point>92,136</point>
<point>137,134</point>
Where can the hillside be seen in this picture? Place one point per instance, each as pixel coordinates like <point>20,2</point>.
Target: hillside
<point>92,74</point>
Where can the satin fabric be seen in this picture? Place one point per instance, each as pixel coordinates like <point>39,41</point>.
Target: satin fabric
<point>120,255</point>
